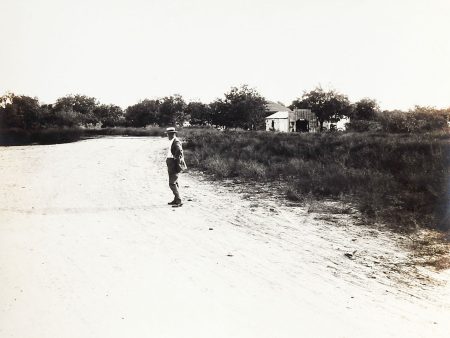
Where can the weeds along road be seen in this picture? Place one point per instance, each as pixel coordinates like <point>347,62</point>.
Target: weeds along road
<point>89,248</point>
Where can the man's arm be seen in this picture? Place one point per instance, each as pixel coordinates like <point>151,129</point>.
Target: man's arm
<point>177,149</point>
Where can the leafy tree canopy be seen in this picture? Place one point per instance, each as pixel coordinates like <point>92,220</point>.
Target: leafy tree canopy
<point>365,109</point>
<point>143,113</point>
<point>171,110</point>
<point>242,107</point>
<point>19,111</point>
<point>108,115</point>
<point>327,105</point>
<point>198,113</point>
<point>81,104</point>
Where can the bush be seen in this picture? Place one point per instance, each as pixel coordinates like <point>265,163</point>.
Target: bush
<point>149,131</point>
<point>222,168</point>
<point>419,120</point>
<point>56,135</point>
<point>363,126</point>
<point>250,169</point>
<point>12,137</point>
<point>63,119</point>
<point>16,136</point>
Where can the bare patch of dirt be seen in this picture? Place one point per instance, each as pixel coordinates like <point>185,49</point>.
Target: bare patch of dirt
<point>90,249</point>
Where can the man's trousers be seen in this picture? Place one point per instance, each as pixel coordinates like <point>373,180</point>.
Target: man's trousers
<point>173,177</point>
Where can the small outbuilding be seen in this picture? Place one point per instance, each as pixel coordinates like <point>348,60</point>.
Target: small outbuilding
<point>299,120</point>
<point>278,121</point>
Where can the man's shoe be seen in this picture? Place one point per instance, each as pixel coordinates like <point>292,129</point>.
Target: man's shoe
<point>172,203</point>
<point>177,203</point>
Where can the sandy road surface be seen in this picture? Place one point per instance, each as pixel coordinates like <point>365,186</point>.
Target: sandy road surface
<point>89,248</point>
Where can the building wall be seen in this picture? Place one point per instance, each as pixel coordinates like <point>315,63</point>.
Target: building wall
<point>305,114</point>
<point>289,124</point>
<point>278,125</point>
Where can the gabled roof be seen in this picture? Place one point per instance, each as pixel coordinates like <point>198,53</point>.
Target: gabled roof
<point>276,107</point>
<point>279,115</point>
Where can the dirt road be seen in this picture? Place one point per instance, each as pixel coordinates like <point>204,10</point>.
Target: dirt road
<point>89,248</point>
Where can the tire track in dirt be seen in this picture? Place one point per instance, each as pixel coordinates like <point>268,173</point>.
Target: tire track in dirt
<point>96,251</point>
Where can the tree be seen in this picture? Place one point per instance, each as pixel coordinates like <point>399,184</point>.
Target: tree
<point>108,115</point>
<point>416,120</point>
<point>60,118</point>
<point>81,104</point>
<point>19,111</point>
<point>143,113</point>
<point>365,109</point>
<point>242,107</point>
<point>171,110</point>
<point>219,113</point>
<point>166,111</point>
<point>326,105</point>
<point>198,113</point>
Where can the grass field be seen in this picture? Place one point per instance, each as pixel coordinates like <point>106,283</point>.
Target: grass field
<point>399,179</point>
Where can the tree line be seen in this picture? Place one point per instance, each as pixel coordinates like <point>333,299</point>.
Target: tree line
<point>241,107</point>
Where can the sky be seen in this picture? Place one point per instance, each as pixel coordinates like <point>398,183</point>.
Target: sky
<point>123,51</point>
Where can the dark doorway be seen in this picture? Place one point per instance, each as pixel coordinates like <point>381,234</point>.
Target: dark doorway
<point>302,126</point>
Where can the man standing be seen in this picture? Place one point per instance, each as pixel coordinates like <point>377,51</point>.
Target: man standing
<point>174,155</point>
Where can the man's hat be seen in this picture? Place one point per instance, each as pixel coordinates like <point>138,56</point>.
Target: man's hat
<point>170,130</point>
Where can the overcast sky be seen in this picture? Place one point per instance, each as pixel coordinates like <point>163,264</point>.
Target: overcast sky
<point>122,51</point>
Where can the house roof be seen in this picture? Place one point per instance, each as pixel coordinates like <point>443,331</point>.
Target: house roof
<point>279,115</point>
<point>276,107</point>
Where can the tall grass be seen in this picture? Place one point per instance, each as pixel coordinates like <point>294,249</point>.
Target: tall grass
<point>10,137</point>
<point>400,179</point>
<point>127,131</point>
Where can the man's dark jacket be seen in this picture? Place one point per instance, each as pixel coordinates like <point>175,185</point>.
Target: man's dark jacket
<point>173,164</point>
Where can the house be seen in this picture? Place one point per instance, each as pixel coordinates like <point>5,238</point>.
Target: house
<point>278,121</point>
<point>298,120</point>
<point>273,107</point>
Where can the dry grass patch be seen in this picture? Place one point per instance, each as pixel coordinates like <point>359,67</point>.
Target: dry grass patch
<point>398,179</point>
